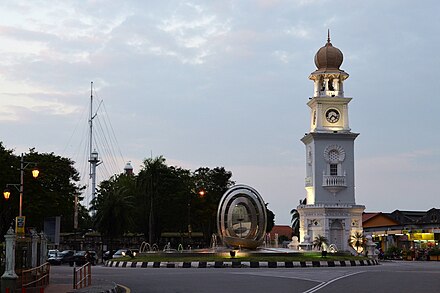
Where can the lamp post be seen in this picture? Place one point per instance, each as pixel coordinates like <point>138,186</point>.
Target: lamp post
<point>201,193</point>
<point>19,187</point>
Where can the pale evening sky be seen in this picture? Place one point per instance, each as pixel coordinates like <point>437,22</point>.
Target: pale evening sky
<point>225,83</point>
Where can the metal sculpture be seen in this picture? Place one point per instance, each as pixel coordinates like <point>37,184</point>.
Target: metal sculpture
<point>241,217</point>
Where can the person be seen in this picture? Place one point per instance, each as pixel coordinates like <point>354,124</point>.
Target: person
<point>89,257</point>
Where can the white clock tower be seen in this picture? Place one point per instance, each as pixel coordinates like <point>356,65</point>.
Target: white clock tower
<point>329,209</point>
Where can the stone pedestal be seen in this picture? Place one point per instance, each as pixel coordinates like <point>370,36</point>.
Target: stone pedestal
<point>370,248</point>
<point>9,278</point>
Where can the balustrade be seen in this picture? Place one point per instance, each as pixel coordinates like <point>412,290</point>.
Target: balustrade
<point>333,180</point>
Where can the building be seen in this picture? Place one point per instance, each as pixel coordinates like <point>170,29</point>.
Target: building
<point>330,208</point>
<point>403,229</point>
<point>281,232</point>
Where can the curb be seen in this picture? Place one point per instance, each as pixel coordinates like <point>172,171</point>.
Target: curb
<point>241,264</point>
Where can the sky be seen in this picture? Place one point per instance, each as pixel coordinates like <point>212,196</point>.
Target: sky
<point>225,83</point>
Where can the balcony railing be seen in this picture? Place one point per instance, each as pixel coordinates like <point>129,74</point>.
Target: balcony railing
<point>334,181</point>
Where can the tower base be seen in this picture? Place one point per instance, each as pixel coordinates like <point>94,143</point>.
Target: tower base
<point>336,222</point>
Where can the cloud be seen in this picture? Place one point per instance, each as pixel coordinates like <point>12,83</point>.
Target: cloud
<point>195,34</point>
<point>284,56</point>
<point>298,31</point>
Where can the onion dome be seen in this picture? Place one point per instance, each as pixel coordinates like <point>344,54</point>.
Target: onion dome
<point>328,57</point>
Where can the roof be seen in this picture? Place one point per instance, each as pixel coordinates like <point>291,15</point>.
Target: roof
<point>328,57</point>
<point>370,220</point>
<point>367,216</point>
<point>281,230</point>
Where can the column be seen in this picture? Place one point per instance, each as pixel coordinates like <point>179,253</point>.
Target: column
<point>345,115</point>
<point>10,256</point>
<point>34,250</point>
<point>319,117</point>
<point>316,88</point>
<point>43,248</point>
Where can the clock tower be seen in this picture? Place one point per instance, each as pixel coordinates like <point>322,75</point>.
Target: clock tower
<point>329,209</point>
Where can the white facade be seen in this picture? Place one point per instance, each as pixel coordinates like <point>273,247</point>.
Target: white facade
<point>330,208</point>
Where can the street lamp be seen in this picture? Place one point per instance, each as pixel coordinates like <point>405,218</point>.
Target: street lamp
<point>19,187</point>
<point>201,194</point>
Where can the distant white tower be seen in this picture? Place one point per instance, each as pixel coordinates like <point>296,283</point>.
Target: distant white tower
<point>330,209</point>
<point>128,169</point>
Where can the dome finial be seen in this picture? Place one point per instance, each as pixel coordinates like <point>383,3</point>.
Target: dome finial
<point>328,35</point>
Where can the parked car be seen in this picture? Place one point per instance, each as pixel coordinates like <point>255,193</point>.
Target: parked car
<point>83,257</point>
<point>61,257</point>
<point>52,253</point>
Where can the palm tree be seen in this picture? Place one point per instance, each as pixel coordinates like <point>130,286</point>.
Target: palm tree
<point>114,207</point>
<point>148,182</point>
<point>295,222</point>
<point>320,242</point>
<point>357,240</point>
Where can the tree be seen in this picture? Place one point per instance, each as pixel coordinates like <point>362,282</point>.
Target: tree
<point>357,240</point>
<point>148,190</point>
<point>320,242</point>
<point>215,182</point>
<point>295,221</point>
<point>8,174</point>
<point>114,206</point>
<point>270,219</point>
<point>52,193</point>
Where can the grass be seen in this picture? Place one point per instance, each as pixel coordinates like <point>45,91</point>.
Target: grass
<point>241,256</point>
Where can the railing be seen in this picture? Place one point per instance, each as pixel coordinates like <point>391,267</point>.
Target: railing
<point>35,277</point>
<point>82,276</point>
<point>333,180</point>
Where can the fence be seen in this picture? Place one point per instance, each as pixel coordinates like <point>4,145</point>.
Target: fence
<point>35,277</point>
<point>82,276</point>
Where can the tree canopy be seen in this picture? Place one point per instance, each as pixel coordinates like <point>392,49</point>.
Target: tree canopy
<point>160,198</point>
<point>51,194</point>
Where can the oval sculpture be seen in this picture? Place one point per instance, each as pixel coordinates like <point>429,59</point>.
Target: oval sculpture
<point>241,217</point>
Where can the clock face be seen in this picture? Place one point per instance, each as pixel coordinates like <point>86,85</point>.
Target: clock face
<point>332,115</point>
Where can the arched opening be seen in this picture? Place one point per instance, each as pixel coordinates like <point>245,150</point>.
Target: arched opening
<point>337,234</point>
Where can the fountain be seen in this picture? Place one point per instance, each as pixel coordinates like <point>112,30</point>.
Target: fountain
<point>145,247</point>
<point>306,244</point>
<point>167,248</point>
<point>332,248</point>
<point>294,244</point>
<point>213,244</point>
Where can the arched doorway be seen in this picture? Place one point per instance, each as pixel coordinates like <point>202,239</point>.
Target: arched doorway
<point>337,234</point>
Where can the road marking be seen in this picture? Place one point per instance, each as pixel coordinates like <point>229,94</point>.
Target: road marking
<point>323,284</point>
<point>127,290</point>
<point>273,275</point>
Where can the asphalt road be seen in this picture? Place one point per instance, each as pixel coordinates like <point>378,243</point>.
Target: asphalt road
<point>398,276</point>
